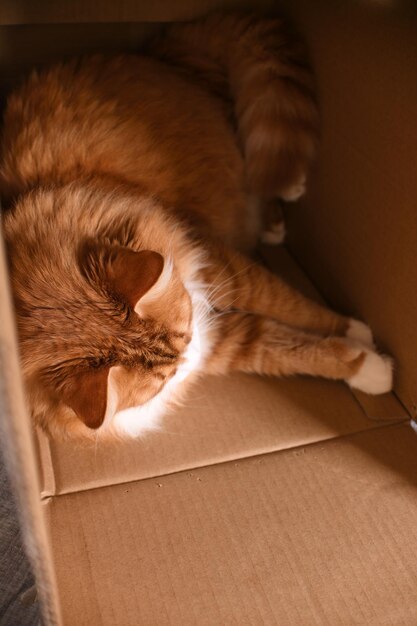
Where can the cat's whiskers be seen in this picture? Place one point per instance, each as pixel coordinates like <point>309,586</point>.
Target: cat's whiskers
<point>213,292</point>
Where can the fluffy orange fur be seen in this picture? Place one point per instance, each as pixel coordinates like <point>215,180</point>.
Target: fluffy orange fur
<point>132,182</point>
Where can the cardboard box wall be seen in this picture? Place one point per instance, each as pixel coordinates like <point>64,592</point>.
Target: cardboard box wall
<point>262,501</point>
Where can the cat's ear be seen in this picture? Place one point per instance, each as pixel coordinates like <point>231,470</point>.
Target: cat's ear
<point>86,395</point>
<point>128,274</point>
<point>132,274</point>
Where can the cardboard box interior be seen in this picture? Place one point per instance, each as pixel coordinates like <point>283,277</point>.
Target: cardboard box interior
<point>264,501</point>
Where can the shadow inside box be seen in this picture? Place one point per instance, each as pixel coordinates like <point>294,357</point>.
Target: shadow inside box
<point>391,443</point>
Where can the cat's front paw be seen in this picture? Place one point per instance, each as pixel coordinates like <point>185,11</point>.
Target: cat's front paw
<point>361,333</point>
<point>375,374</point>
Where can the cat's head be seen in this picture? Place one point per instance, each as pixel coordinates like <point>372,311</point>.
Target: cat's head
<point>102,327</point>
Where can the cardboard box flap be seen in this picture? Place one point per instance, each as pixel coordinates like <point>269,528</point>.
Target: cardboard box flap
<point>222,419</point>
<point>356,231</point>
<point>323,534</point>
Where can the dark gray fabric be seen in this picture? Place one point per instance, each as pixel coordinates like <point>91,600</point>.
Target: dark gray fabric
<point>18,606</point>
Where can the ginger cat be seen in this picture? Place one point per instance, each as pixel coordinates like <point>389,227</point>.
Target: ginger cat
<point>132,182</point>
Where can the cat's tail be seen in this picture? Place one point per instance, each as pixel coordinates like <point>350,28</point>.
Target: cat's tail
<point>261,66</point>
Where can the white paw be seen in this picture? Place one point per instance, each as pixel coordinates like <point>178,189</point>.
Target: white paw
<point>374,375</point>
<point>275,235</point>
<point>296,191</point>
<point>360,332</point>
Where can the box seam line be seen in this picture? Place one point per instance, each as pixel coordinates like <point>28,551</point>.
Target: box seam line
<point>386,424</point>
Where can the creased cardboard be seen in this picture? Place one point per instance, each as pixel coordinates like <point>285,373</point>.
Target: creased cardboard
<point>322,534</point>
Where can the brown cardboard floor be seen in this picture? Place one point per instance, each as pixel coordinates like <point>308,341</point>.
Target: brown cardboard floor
<point>322,534</point>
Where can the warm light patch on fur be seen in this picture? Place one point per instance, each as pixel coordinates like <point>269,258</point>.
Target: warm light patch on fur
<point>136,421</point>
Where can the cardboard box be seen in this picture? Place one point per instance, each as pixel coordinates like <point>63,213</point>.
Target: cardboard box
<point>263,501</point>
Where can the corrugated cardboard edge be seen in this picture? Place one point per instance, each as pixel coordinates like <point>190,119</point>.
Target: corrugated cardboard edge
<point>19,453</point>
